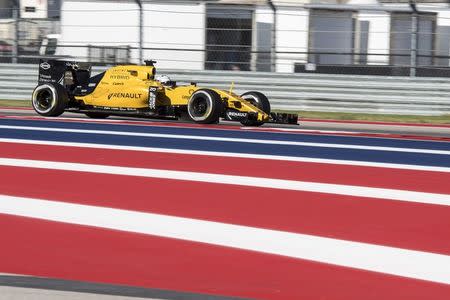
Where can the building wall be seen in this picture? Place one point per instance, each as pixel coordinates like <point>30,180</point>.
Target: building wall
<point>262,39</point>
<point>113,24</point>
<point>40,8</point>
<point>442,33</point>
<point>6,31</point>
<point>102,23</point>
<point>442,40</point>
<point>378,37</point>
<point>179,26</point>
<point>30,31</point>
<point>182,26</point>
<point>292,36</point>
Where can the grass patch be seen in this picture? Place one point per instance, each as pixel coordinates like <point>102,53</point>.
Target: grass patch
<point>444,119</point>
<point>15,103</point>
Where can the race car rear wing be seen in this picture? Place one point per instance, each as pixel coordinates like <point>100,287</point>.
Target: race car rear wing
<point>63,72</point>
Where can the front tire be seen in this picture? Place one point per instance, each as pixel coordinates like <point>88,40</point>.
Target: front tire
<point>205,107</point>
<point>49,99</point>
<point>260,101</point>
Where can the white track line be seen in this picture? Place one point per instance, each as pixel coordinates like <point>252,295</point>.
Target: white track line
<point>224,139</point>
<point>339,189</point>
<point>388,260</point>
<point>287,130</point>
<point>230,154</point>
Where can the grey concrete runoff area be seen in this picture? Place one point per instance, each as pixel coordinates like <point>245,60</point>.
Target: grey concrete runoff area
<point>14,293</point>
<point>17,287</point>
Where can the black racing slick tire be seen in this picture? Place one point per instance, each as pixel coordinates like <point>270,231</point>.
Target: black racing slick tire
<point>260,101</point>
<point>96,115</point>
<point>49,99</point>
<point>205,106</point>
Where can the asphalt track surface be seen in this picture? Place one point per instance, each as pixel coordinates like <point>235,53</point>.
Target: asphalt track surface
<point>29,287</point>
<point>166,210</point>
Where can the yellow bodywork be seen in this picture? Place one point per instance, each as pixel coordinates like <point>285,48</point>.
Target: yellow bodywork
<point>127,87</point>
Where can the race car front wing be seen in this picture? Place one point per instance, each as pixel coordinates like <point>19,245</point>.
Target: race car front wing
<point>278,118</point>
<point>283,118</point>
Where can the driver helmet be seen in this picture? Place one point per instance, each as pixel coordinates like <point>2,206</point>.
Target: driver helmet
<point>164,79</point>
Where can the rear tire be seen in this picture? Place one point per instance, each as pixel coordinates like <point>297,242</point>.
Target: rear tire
<point>205,106</point>
<point>96,115</point>
<point>260,101</point>
<point>49,99</point>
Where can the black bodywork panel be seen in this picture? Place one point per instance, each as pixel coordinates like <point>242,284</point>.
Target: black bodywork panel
<point>75,77</point>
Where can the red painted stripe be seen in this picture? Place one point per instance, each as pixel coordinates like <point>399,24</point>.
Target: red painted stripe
<point>393,223</point>
<point>424,181</point>
<point>230,127</point>
<point>58,250</point>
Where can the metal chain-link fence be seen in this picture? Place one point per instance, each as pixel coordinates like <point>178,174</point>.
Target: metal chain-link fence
<point>379,39</point>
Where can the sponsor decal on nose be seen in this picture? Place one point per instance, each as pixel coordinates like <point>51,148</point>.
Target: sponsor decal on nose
<point>237,114</point>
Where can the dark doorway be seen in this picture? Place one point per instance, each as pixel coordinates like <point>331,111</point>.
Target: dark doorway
<point>228,39</point>
<point>332,32</point>
<point>401,24</point>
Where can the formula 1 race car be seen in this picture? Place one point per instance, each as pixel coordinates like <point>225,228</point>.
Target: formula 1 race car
<point>134,90</point>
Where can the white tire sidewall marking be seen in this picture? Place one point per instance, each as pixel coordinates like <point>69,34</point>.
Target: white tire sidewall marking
<point>209,110</point>
<point>36,93</point>
<point>251,96</point>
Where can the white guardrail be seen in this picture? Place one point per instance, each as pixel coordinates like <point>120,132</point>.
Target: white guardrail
<point>313,92</point>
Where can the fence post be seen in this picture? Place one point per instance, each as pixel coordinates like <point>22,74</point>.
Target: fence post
<point>414,29</point>
<point>89,48</point>
<point>141,31</point>
<point>413,62</point>
<point>273,52</point>
<point>128,54</point>
<point>16,17</point>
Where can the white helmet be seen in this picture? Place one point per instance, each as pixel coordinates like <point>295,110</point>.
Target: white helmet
<point>164,79</point>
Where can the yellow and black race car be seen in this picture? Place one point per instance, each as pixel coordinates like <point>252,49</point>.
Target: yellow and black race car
<point>134,90</point>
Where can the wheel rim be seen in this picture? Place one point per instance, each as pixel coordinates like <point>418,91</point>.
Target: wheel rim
<point>43,99</point>
<point>200,106</point>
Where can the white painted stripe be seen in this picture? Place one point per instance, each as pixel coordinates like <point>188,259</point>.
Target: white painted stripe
<point>231,154</point>
<point>158,123</point>
<point>388,260</point>
<point>225,139</point>
<point>287,130</point>
<point>328,188</point>
<point>79,120</point>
